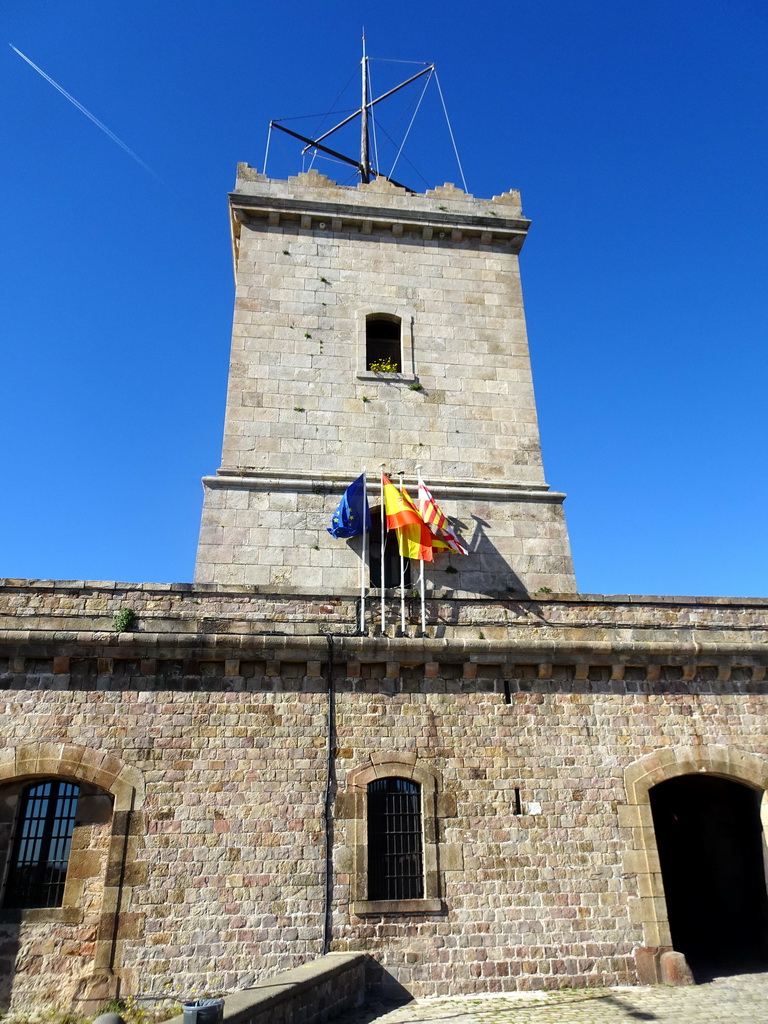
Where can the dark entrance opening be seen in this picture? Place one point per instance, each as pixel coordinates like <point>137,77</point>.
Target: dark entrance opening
<point>710,843</point>
<point>391,555</point>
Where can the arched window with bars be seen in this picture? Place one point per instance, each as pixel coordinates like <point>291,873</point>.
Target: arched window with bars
<point>39,858</point>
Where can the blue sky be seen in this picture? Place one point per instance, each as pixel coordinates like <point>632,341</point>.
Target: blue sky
<point>637,133</point>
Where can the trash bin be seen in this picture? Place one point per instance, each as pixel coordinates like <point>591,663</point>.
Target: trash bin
<point>203,1011</point>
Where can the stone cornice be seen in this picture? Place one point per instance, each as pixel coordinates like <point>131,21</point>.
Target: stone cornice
<point>332,483</point>
<point>334,216</point>
<point>589,650</point>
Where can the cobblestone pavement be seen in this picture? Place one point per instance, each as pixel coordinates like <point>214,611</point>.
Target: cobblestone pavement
<point>736,1000</point>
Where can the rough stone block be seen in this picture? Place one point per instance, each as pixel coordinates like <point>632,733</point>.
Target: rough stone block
<point>674,969</point>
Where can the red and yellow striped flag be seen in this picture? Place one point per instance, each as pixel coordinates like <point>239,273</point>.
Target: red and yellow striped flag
<point>444,535</point>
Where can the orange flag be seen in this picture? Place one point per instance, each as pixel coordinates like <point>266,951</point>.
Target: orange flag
<point>414,538</point>
<point>399,508</point>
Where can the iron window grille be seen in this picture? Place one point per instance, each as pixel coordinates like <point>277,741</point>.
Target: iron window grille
<point>38,866</point>
<point>395,851</point>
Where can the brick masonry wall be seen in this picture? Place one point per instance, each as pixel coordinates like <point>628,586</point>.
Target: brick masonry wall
<point>226,728</point>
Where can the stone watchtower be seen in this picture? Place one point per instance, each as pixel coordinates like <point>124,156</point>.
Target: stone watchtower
<point>331,280</point>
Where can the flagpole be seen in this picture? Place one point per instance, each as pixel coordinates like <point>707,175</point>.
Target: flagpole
<point>362,563</point>
<point>423,601</point>
<point>383,542</point>
<point>422,586</point>
<point>402,576</point>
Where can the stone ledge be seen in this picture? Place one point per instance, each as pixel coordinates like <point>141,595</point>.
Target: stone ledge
<point>390,908</point>
<point>382,377</point>
<point>334,484</point>
<point>512,650</point>
<point>222,591</point>
<point>42,915</point>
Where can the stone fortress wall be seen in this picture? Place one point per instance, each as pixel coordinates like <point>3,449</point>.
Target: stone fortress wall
<point>542,724</point>
<point>225,742</point>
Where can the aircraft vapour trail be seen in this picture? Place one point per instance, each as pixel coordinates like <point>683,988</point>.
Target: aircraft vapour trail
<point>87,113</point>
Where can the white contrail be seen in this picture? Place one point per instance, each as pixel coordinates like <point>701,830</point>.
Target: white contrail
<point>87,113</point>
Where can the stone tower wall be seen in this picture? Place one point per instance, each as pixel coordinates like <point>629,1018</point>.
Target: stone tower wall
<point>302,295</point>
<point>304,415</point>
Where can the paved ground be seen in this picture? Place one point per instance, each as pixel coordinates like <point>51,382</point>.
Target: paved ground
<point>736,1000</point>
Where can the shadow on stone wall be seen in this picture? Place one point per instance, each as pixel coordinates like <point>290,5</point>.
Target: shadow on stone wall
<point>484,571</point>
<point>381,987</point>
<point>9,951</point>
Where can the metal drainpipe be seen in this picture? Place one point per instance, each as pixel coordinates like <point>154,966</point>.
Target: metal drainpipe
<point>330,775</point>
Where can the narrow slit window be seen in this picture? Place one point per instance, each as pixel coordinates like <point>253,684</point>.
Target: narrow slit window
<point>38,867</point>
<point>383,348</point>
<point>395,846</point>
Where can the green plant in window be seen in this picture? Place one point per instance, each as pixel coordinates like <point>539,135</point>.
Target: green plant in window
<point>383,365</point>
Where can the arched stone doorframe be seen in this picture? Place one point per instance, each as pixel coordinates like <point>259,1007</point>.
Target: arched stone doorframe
<point>649,907</point>
<point>125,785</point>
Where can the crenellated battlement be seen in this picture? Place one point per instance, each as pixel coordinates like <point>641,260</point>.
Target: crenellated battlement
<point>379,191</point>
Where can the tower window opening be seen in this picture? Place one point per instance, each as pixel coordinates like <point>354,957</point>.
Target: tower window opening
<point>38,866</point>
<point>383,348</point>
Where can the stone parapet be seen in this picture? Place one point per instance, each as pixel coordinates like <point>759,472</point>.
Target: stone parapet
<point>444,202</point>
<point>316,992</point>
<point>585,642</point>
<point>211,609</point>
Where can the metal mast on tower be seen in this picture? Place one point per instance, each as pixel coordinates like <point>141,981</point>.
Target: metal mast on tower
<point>363,165</point>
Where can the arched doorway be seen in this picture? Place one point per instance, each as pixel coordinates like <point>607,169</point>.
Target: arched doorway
<point>710,844</point>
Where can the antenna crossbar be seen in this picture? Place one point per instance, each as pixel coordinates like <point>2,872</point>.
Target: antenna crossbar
<point>372,103</point>
<point>332,152</point>
<point>311,144</point>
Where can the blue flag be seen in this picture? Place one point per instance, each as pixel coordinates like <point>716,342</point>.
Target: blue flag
<point>352,515</point>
